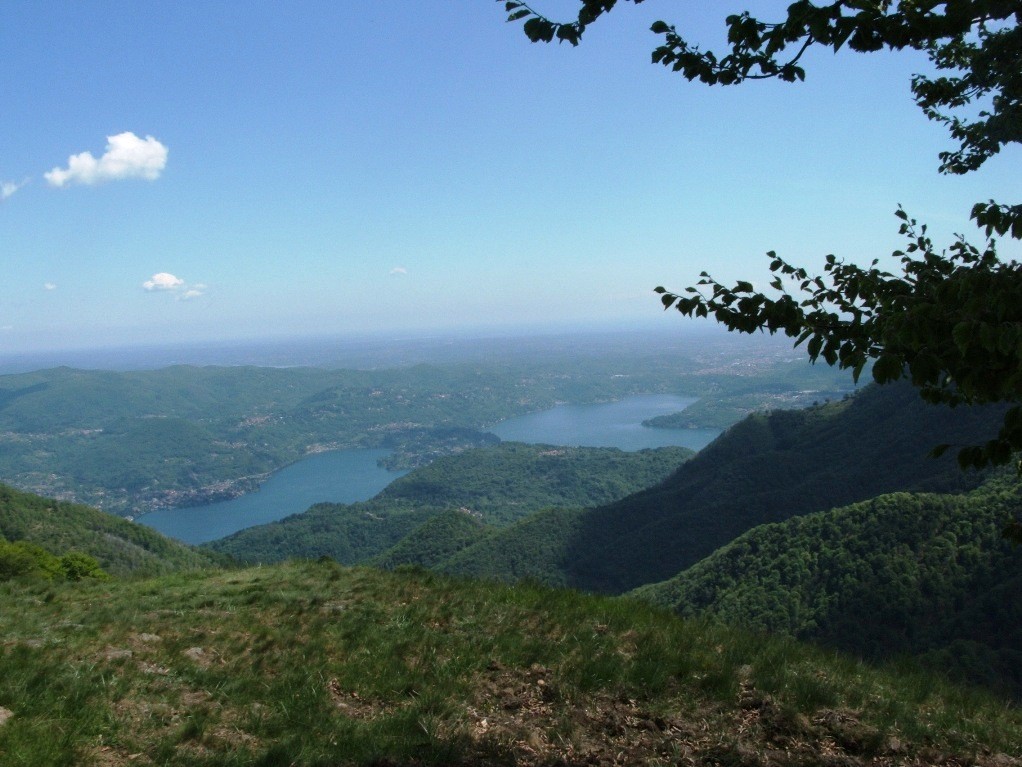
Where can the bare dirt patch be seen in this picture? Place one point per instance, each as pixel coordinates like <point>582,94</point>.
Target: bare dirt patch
<point>523,714</point>
<point>352,705</point>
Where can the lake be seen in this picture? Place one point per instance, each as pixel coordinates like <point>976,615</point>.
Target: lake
<point>339,476</point>
<point>610,424</point>
<point>346,476</point>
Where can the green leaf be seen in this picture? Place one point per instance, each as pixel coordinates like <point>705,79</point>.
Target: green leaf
<point>814,346</point>
<point>971,457</point>
<point>537,29</point>
<point>887,368</point>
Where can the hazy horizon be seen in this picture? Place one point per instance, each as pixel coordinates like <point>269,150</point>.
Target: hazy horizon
<point>375,350</point>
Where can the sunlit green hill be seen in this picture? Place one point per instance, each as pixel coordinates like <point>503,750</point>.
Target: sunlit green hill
<point>120,547</point>
<point>312,664</point>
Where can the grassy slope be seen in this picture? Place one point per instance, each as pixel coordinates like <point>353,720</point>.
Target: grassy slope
<point>765,469</point>
<point>932,573</point>
<point>313,664</point>
<point>500,484</point>
<point>121,547</point>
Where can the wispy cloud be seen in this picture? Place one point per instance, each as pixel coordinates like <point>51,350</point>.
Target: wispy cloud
<point>7,188</point>
<point>49,286</point>
<point>126,156</point>
<point>165,282</point>
<point>398,270</point>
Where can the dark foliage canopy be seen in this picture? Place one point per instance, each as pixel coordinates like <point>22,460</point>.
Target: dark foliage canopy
<point>949,320</point>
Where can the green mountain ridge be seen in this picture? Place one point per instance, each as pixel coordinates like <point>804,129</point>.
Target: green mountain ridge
<point>434,541</point>
<point>931,572</point>
<point>533,548</point>
<point>764,469</point>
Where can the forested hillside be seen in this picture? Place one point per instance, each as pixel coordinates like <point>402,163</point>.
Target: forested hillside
<point>498,485</point>
<point>121,547</point>
<point>931,572</point>
<point>537,547</point>
<point>765,469</point>
<point>434,541</point>
<point>507,482</point>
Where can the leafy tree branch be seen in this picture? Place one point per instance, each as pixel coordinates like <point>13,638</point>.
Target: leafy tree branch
<point>951,321</point>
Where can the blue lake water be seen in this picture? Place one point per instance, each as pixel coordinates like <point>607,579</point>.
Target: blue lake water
<point>339,476</point>
<point>611,424</point>
<point>346,476</point>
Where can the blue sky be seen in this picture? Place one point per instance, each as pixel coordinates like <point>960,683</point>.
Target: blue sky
<point>398,167</point>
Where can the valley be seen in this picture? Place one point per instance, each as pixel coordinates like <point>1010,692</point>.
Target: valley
<point>138,440</point>
<point>582,383</point>
<point>734,578</point>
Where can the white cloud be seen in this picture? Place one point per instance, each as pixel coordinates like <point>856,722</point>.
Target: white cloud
<point>399,270</point>
<point>126,156</point>
<point>7,188</point>
<point>163,281</point>
<point>49,286</point>
<point>193,291</point>
<point>169,283</point>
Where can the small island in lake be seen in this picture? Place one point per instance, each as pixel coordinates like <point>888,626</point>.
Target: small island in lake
<point>677,420</point>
